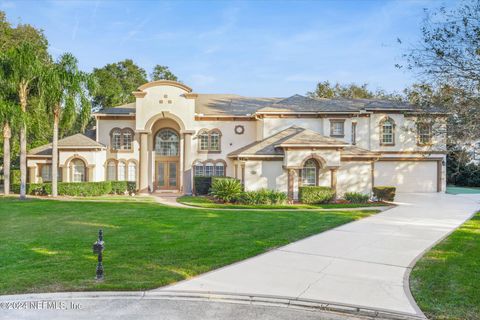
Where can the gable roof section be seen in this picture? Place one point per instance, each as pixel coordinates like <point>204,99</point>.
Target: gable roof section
<point>124,109</point>
<point>293,136</point>
<point>71,142</point>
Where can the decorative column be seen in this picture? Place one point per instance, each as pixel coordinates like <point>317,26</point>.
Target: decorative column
<point>32,174</point>
<point>333,180</point>
<point>291,178</point>
<point>181,163</point>
<point>187,162</point>
<point>143,163</point>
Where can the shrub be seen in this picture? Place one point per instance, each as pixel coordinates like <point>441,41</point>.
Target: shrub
<point>202,185</point>
<point>122,187</point>
<point>84,189</point>
<point>226,189</point>
<point>263,196</point>
<point>15,177</point>
<point>384,193</point>
<point>356,197</point>
<point>312,195</point>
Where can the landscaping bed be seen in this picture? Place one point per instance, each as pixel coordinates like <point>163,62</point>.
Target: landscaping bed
<point>446,281</point>
<point>209,202</point>
<point>46,245</point>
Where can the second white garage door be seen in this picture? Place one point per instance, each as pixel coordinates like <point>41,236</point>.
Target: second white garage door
<point>407,176</point>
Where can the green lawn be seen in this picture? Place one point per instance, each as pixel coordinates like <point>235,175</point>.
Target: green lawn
<point>45,245</point>
<point>446,281</point>
<point>204,202</point>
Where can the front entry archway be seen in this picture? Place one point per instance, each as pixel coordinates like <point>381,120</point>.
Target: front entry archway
<point>167,159</point>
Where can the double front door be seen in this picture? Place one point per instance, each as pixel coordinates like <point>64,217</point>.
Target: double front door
<point>166,173</point>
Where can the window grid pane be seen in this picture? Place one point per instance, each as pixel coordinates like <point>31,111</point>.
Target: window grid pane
<point>111,169</point>
<point>47,172</point>
<point>309,175</point>
<point>220,169</point>
<point>121,171</point>
<point>116,140</point>
<point>387,133</point>
<point>127,140</point>
<point>198,170</point>
<point>167,143</point>
<point>209,170</point>
<point>204,142</point>
<point>132,172</point>
<point>78,171</point>
<point>425,133</point>
<point>214,141</point>
<point>337,128</point>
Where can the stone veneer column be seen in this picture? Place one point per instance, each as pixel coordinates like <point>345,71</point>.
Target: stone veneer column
<point>291,180</point>
<point>187,162</point>
<point>143,163</point>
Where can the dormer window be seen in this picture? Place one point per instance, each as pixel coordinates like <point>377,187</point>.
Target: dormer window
<point>209,140</point>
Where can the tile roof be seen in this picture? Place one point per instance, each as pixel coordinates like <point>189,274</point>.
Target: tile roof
<point>235,105</point>
<point>76,140</point>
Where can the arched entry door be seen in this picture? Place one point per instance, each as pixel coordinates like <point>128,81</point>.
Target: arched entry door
<point>167,155</point>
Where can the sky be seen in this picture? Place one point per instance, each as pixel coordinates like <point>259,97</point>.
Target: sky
<point>254,48</point>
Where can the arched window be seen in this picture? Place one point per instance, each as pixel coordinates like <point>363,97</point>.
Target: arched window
<point>111,171</point>
<point>220,169</point>
<point>209,169</point>
<point>387,132</point>
<point>215,141</point>
<point>203,139</point>
<point>132,171</point>
<point>127,139</point>
<point>116,136</point>
<point>198,169</point>
<point>167,143</point>
<point>310,173</point>
<point>209,140</point>
<point>77,167</point>
<point>121,171</point>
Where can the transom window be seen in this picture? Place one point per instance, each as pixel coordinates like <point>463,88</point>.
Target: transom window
<point>209,140</point>
<point>387,132</point>
<point>121,139</point>
<point>337,128</point>
<point>310,173</point>
<point>209,168</point>
<point>167,143</point>
<point>424,131</point>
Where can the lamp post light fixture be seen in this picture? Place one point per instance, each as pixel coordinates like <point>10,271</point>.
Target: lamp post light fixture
<point>98,248</point>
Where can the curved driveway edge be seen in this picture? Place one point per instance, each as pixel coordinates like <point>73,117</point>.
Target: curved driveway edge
<point>364,263</point>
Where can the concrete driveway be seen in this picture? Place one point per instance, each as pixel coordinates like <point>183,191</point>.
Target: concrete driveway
<point>365,263</point>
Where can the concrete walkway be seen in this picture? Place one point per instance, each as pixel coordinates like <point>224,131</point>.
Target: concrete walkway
<point>364,263</point>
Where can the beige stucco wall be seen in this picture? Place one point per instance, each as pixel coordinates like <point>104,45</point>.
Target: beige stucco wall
<point>265,175</point>
<point>354,176</point>
<point>295,158</point>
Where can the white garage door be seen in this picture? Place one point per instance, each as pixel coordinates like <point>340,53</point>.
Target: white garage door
<point>407,176</point>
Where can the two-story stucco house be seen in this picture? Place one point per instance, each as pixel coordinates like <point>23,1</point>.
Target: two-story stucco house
<point>171,134</point>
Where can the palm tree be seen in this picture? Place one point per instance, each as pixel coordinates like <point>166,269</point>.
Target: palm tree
<point>7,111</point>
<point>64,91</point>
<point>20,68</point>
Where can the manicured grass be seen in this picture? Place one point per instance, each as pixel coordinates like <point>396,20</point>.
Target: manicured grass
<point>204,202</point>
<point>446,281</point>
<point>46,245</point>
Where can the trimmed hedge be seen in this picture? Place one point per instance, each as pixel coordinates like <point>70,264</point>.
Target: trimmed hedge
<point>83,189</point>
<point>356,197</point>
<point>122,187</point>
<point>313,195</point>
<point>262,196</point>
<point>384,193</point>
<point>204,184</point>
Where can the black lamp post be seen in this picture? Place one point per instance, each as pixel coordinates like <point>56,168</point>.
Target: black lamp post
<point>98,248</point>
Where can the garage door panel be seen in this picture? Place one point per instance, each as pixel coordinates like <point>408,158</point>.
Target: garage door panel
<point>407,176</point>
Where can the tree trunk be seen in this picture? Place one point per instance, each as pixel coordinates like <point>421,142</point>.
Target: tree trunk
<point>55,154</point>
<point>23,161</point>
<point>7,134</point>
<point>23,142</point>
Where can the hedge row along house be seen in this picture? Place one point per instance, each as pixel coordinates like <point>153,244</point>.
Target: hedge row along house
<point>171,134</point>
